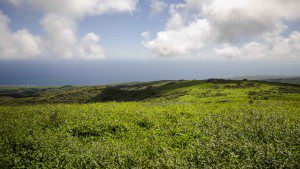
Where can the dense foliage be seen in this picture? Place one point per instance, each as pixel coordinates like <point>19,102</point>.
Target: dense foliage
<point>166,124</point>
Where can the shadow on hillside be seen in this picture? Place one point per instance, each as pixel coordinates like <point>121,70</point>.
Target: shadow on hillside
<point>119,95</point>
<point>145,91</point>
<point>20,93</point>
<point>166,89</point>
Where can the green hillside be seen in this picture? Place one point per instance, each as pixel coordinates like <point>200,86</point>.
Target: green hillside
<point>193,90</point>
<point>165,124</point>
<point>274,78</point>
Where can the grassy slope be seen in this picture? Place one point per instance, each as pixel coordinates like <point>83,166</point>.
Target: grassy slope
<point>188,124</point>
<point>278,79</point>
<point>169,90</point>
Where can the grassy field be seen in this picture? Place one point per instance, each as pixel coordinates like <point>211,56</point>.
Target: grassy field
<point>164,124</point>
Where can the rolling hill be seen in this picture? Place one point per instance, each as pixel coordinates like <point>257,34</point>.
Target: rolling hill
<point>210,123</point>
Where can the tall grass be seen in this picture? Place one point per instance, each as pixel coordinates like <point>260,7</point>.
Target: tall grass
<point>264,134</point>
<point>166,124</point>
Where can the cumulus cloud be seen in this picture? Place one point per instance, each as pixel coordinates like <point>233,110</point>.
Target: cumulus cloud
<point>249,18</point>
<point>62,42</point>
<point>17,45</point>
<point>89,48</point>
<point>60,35</point>
<point>180,41</point>
<point>157,6</point>
<point>230,28</point>
<point>60,25</point>
<point>271,45</point>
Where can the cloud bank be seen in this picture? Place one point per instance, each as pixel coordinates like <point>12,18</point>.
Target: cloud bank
<point>229,28</point>
<point>59,22</point>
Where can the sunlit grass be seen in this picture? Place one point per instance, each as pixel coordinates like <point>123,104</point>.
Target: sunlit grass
<point>210,125</point>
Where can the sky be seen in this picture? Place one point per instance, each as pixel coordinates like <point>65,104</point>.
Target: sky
<point>56,42</point>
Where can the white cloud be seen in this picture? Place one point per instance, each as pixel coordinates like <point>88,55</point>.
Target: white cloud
<point>17,45</point>
<point>180,41</point>
<point>271,45</point>
<point>284,46</point>
<point>146,35</point>
<point>249,18</point>
<point>15,2</point>
<point>227,50</point>
<point>89,48</point>
<point>62,42</point>
<point>60,35</point>
<point>157,6</point>
<point>60,25</point>
<point>231,22</point>
<point>80,8</point>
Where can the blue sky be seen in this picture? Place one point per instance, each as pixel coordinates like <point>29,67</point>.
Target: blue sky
<point>168,34</point>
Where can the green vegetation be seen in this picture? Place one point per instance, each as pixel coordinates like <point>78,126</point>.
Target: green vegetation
<point>278,79</point>
<point>165,124</point>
